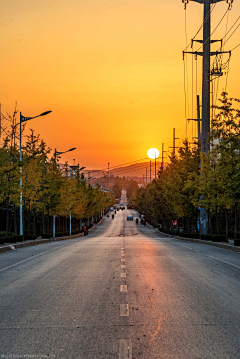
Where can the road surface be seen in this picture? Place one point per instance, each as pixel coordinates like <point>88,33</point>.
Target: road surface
<point>121,292</point>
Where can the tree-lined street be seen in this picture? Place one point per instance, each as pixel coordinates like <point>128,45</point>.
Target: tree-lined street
<point>124,291</point>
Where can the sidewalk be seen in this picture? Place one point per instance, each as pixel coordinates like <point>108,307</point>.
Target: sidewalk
<point>224,245</point>
<point>12,246</point>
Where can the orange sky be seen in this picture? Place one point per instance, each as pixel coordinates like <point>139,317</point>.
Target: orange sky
<point>110,70</point>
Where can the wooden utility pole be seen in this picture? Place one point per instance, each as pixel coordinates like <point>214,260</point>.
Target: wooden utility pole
<point>146,176</point>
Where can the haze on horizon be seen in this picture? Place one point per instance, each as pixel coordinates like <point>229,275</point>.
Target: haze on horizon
<point>110,71</point>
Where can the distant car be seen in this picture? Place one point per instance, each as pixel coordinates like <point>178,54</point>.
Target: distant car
<point>130,218</point>
<point>111,209</point>
<point>121,204</point>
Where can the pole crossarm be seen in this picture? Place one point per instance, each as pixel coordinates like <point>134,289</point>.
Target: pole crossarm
<point>212,1</point>
<point>201,41</point>
<point>229,2</point>
<point>212,53</point>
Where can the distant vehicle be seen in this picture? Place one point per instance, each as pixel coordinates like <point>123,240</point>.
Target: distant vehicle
<point>118,209</point>
<point>121,204</point>
<point>130,218</point>
<point>111,209</point>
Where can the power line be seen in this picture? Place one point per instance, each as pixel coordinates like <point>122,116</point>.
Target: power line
<point>124,164</point>
<point>214,29</point>
<point>228,32</point>
<point>231,34</point>
<point>206,18</point>
<point>235,47</point>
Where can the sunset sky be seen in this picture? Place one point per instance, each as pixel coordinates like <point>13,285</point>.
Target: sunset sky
<point>110,70</point>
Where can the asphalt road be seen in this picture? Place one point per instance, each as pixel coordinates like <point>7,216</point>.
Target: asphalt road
<point>121,292</point>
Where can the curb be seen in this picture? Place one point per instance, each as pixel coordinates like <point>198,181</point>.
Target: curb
<point>39,241</point>
<point>214,244</point>
<point>24,244</point>
<point>100,220</point>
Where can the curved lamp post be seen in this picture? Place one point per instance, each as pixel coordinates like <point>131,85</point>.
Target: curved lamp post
<point>74,170</point>
<point>24,119</point>
<point>57,153</point>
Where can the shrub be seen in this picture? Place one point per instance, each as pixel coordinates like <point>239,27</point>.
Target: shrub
<point>47,235</point>
<point>19,238</point>
<point>218,237</point>
<point>10,239</point>
<point>206,237</point>
<point>59,234</point>
<point>30,237</point>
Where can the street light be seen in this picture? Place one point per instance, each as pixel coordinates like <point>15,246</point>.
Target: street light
<point>57,153</point>
<point>24,119</point>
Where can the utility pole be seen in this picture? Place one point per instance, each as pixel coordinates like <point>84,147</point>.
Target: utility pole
<point>0,119</point>
<point>162,165</point>
<point>174,142</point>
<point>206,54</point>
<point>155,167</point>
<point>162,156</point>
<point>150,171</point>
<point>198,119</point>
<point>143,182</point>
<point>146,177</point>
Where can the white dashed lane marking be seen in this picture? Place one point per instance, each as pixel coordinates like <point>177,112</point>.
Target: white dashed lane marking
<point>123,288</point>
<point>123,266</point>
<point>124,310</point>
<point>125,349</point>
<point>123,275</point>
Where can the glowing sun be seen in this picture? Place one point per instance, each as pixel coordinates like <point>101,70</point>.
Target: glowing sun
<point>153,153</point>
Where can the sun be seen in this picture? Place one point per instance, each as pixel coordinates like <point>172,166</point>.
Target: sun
<point>153,153</point>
